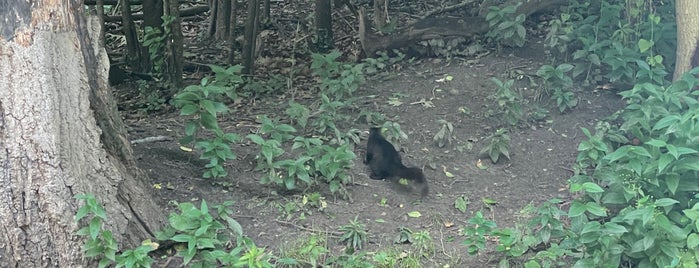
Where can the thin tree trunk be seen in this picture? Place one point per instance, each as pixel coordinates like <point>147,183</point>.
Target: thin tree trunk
<point>60,135</point>
<point>250,37</point>
<point>324,26</point>
<point>174,48</point>
<point>133,46</point>
<point>231,32</point>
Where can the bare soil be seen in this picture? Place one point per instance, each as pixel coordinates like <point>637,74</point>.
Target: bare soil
<point>542,153</point>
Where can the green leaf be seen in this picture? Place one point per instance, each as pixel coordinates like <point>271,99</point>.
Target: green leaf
<point>664,161</point>
<point>576,209</point>
<point>531,264</point>
<point>414,214</point>
<point>592,187</point>
<point>614,229</point>
<point>461,204</point>
<point>656,143</point>
<point>672,183</point>
<point>693,240</point>
<point>596,209</point>
<point>209,121</point>
<point>666,121</point>
<point>189,128</point>
<point>256,138</point>
<point>644,45</point>
<point>664,202</point>
<point>189,109</point>
<point>622,151</point>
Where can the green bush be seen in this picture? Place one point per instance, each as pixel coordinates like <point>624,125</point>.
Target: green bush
<point>204,103</point>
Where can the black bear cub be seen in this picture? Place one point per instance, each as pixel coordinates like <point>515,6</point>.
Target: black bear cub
<point>385,162</point>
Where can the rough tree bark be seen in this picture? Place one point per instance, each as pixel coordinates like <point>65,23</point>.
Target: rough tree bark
<point>324,26</point>
<point>249,43</point>
<point>60,135</point>
<point>174,48</point>
<point>687,36</point>
<point>136,58</point>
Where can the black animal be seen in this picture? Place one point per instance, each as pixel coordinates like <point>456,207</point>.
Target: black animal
<point>385,162</point>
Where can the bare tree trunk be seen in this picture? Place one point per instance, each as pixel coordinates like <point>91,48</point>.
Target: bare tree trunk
<point>266,11</point>
<point>250,37</point>
<point>213,17</point>
<point>231,32</point>
<point>174,48</point>
<point>60,135</point>
<point>223,19</point>
<point>153,13</point>
<point>687,36</point>
<point>324,26</point>
<point>133,47</point>
<point>380,13</point>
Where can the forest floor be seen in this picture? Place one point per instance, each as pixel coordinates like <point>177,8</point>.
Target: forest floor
<point>541,156</point>
<point>415,94</point>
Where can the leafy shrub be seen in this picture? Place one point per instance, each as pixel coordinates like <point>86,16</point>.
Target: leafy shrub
<point>101,243</point>
<point>509,102</point>
<point>338,79</point>
<point>206,237</point>
<point>204,102</point>
<point>505,28</point>
<point>617,41</point>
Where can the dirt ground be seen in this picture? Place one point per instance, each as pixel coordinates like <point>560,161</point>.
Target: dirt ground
<point>541,156</point>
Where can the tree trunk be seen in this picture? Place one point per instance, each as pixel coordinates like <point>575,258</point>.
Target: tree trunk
<point>231,34</point>
<point>153,11</point>
<point>250,37</point>
<point>223,19</point>
<point>324,26</point>
<point>53,76</point>
<point>687,36</point>
<point>174,46</point>
<point>135,58</point>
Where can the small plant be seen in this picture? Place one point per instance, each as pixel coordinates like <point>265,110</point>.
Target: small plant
<point>197,228</point>
<point>310,251</point>
<point>592,150</point>
<point>445,133</point>
<point>509,243</point>
<point>387,259</point>
<point>205,236</point>
<point>564,99</point>
<point>557,80</point>
<point>354,235</point>
<point>332,164</point>
<point>101,243</point>
<point>477,231</point>
<point>498,145</point>
<point>338,79</point>
<point>424,244</point>
<point>508,102</point>
<point>204,103</point>
<point>298,113</point>
<point>505,28</point>
<point>276,130</point>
